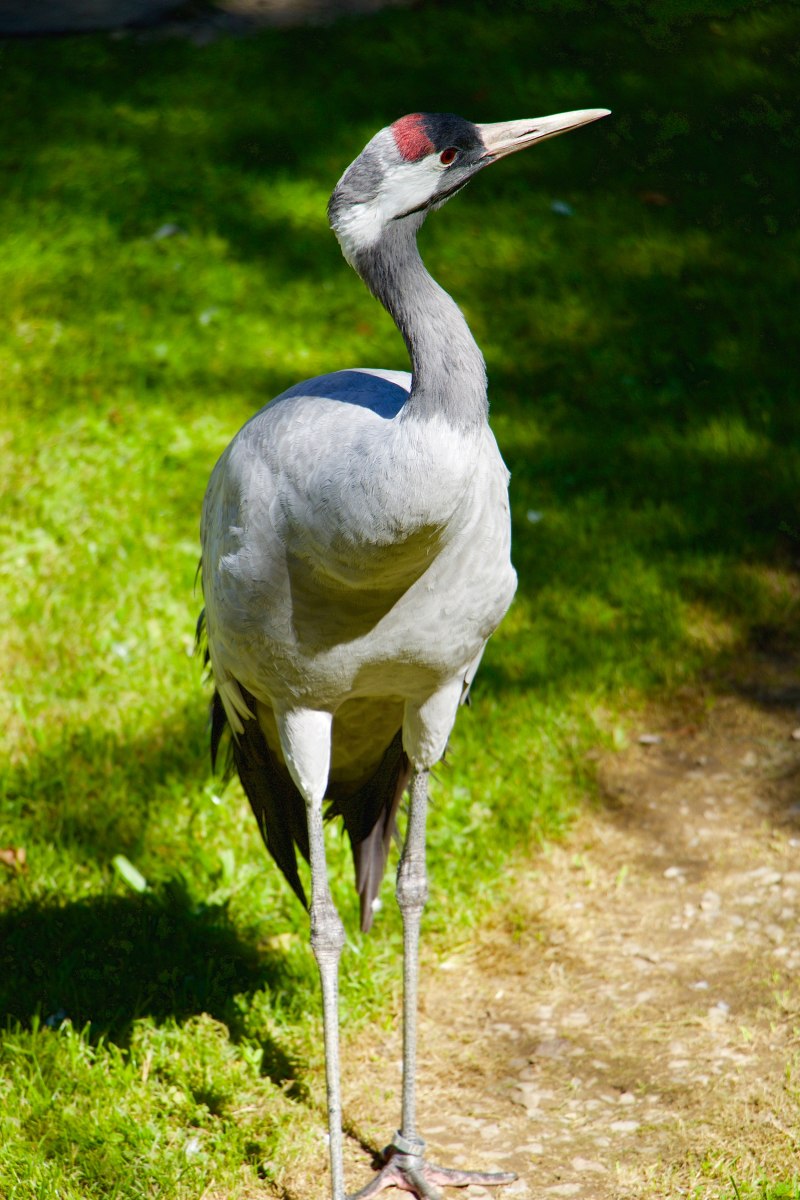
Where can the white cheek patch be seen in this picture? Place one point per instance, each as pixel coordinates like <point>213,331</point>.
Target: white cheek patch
<point>404,187</point>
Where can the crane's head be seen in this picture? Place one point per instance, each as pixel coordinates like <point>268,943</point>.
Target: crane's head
<point>420,161</point>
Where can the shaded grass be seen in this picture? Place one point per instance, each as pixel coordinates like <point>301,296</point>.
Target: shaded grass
<point>643,384</point>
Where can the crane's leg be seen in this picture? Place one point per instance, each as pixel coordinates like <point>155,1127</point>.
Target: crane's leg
<point>412,893</point>
<point>305,738</point>
<point>405,1167</point>
<point>327,940</point>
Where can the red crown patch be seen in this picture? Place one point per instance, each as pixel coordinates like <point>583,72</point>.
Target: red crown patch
<point>410,137</point>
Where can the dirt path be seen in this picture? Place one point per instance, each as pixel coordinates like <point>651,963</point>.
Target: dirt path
<point>626,1029</point>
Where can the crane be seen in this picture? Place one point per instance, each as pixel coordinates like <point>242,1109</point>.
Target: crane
<point>355,560</point>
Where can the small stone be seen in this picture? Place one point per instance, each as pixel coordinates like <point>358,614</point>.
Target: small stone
<point>762,877</point>
<point>795,734</point>
<point>624,1126</point>
<point>627,1098</point>
<point>576,1020</point>
<point>650,739</point>
<point>587,1164</point>
<point>648,956</point>
<point>674,873</point>
<point>527,1096</point>
<point>552,1048</point>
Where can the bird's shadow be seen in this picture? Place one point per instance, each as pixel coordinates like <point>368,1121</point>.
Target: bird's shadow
<point>104,961</point>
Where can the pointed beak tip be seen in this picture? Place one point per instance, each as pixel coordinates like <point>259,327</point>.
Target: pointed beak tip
<point>502,138</point>
<point>582,117</point>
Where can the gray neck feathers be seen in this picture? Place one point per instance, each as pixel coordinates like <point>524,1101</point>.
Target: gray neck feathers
<point>448,371</point>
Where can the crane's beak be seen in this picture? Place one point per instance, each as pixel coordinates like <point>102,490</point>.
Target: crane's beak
<point>505,137</point>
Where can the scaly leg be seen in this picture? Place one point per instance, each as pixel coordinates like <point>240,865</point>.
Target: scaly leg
<point>412,893</point>
<point>405,1166</point>
<point>327,940</point>
<point>306,741</point>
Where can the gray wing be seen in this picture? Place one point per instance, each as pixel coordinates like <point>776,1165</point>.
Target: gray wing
<point>248,584</point>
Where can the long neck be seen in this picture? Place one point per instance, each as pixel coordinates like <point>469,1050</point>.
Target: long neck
<point>448,371</point>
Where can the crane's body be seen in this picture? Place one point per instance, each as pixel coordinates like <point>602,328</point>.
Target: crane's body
<point>331,584</point>
<point>356,558</point>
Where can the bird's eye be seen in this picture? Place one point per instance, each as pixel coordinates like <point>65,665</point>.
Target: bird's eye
<point>447,156</point>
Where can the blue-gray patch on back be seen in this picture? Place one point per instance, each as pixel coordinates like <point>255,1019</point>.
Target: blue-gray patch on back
<point>361,388</point>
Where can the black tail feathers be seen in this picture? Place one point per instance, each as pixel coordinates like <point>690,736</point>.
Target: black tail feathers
<point>369,813</point>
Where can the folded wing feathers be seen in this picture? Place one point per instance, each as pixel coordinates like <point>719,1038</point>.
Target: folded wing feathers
<point>369,814</point>
<point>276,803</point>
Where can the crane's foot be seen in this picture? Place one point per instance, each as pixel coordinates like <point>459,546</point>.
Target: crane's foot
<point>405,1168</point>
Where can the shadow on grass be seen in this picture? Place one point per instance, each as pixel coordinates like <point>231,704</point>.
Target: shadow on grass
<point>94,792</point>
<point>106,961</point>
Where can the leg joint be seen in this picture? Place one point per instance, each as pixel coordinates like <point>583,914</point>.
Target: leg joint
<point>412,885</point>
<point>327,930</point>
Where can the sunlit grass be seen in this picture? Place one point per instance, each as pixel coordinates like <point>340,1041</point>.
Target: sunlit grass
<point>165,269</point>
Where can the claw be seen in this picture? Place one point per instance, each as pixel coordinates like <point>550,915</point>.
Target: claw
<point>411,1173</point>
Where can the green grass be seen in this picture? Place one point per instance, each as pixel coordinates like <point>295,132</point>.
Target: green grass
<point>761,1189</point>
<point>644,389</point>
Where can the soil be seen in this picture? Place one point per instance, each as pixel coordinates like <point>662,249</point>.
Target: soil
<point>629,1026</point>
